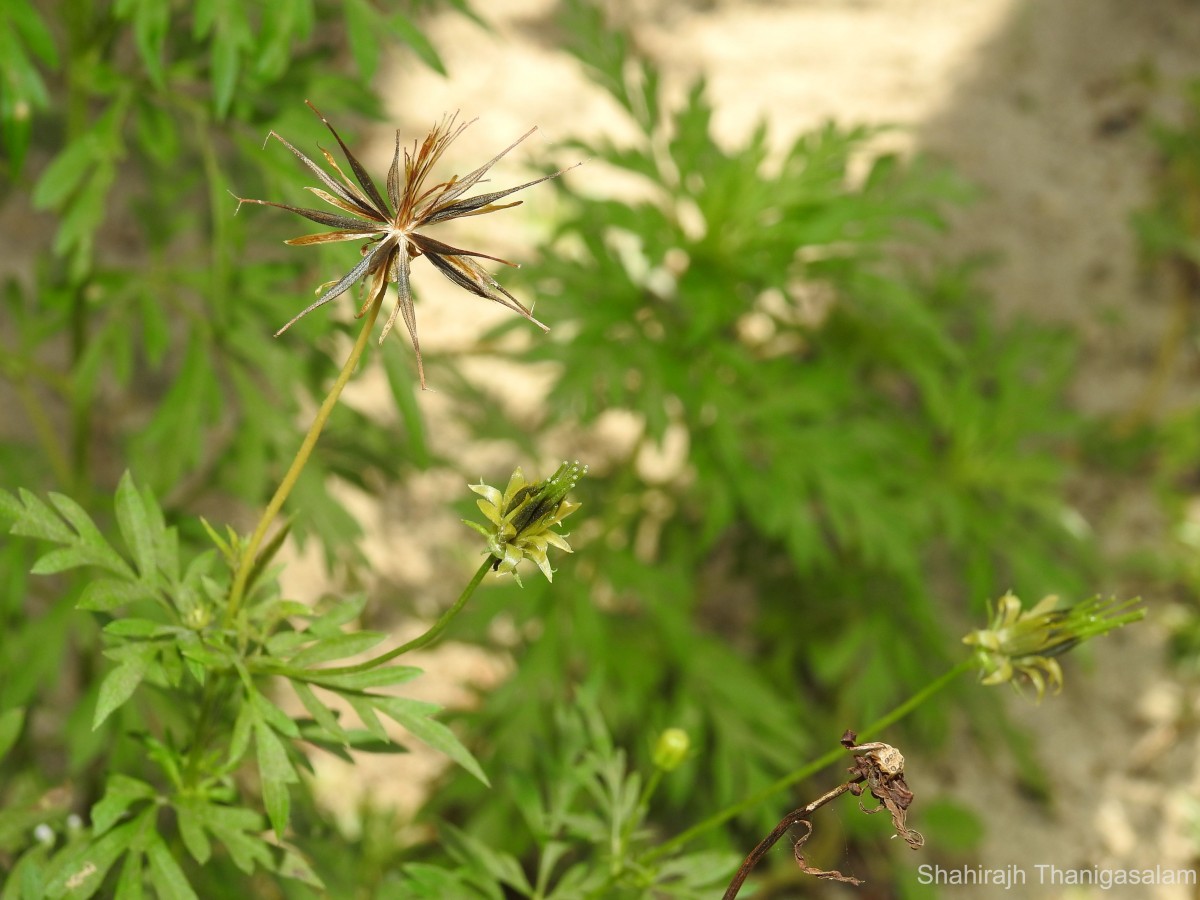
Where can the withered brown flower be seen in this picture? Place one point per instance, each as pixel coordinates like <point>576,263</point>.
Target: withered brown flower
<point>391,224</point>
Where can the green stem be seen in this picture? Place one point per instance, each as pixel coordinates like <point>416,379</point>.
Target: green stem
<point>246,563</point>
<point>219,256</point>
<point>811,768</point>
<point>200,734</point>
<point>415,644</point>
<point>44,430</point>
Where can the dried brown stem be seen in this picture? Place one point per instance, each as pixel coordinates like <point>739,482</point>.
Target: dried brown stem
<point>881,767</point>
<point>793,818</point>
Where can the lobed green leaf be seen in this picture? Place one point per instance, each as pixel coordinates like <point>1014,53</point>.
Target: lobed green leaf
<point>118,686</point>
<point>323,715</point>
<point>79,870</point>
<point>273,715</point>
<point>120,792</point>
<point>382,676</point>
<point>107,594</point>
<point>166,875</point>
<point>414,716</point>
<point>340,646</point>
<point>276,772</point>
<point>191,831</point>
<point>134,523</point>
<point>129,884</point>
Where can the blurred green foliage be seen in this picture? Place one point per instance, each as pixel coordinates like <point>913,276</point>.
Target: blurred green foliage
<point>1166,438</point>
<point>868,451</point>
<point>867,455</point>
<point>137,335</point>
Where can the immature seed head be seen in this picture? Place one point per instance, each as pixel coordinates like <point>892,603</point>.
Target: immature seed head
<point>522,518</point>
<point>1025,642</point>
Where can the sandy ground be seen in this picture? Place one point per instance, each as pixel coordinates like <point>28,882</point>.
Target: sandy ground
<point>1043,105</point>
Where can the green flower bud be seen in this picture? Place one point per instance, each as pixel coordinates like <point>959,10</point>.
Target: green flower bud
<point>671,749</point>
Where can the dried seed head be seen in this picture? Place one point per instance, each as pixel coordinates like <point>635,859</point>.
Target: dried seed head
<point>392,226</point>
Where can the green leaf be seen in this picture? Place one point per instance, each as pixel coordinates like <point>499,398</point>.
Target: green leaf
<point>85,212</point>
<point>78,519</point>
<point>67,172</point>
<point>363,704</point>
<point>273,715</point>
<point>276,772</point>
<point>192,831</point>
<point>284,643</point>
<point>86,546</point>
<point>129,885</point>
<point>118,687</point>
<point>363,28</point>
<point>226,59</point>
<point>137,627</point>
<point>414,716</point>
<point>135,527</point>
<point>65,558</point>
<point>239,741</point>
<point>294,865</point>
<point>80,869</point>
<point>339,647</point>
<point>150,30</point>
<point>37,520</point>
<point>11,721</point>
<point>403,28</point>
<point>404,393</point>
<point>361,681</point>
<point>120,792</point>
<point>34,32</point>
<point>26,880</point>
<point>206,656</point>
<point>501,866</point>
<point>230,825</point>
<point>705,869</point>
<point>319,711</point>
<point>329,623</point>
<point>107,594</point>
<point>179,421</point>
<point>10,509</point>
<point>165,873</point>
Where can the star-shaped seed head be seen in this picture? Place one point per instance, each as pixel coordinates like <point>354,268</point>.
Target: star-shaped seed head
<point>391,224</point>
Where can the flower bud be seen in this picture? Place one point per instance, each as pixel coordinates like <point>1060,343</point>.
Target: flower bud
<point>671,749</point>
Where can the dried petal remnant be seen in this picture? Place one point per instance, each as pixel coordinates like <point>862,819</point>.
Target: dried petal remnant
<point>390,225</point>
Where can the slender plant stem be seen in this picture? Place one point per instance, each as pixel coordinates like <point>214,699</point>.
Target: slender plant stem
<point>415,644</point>
<point>779,831</point>
<point>246,563</point>
<point>45,432</point>
<point>811,768</point>
<point>200,733</point>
